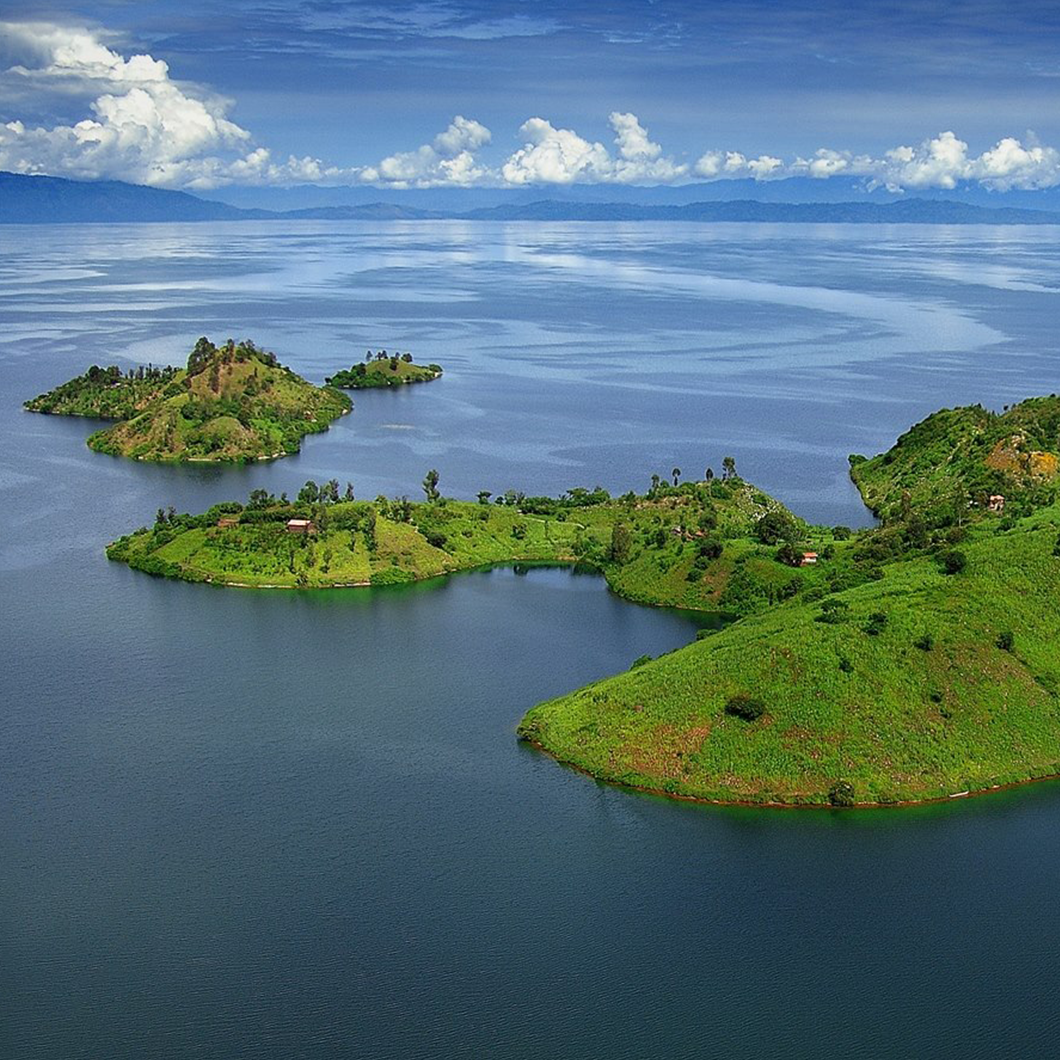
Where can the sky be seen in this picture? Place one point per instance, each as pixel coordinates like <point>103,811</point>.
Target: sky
<point>905,94</point>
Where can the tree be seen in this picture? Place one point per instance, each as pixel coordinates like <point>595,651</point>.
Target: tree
<point>621,542</point>
<point>349,491</point>
<point>774,526</point>
<point>484,496</point>
<point>309,493</point>
<point>676,475</point>
<point>329,492</point>
<point>728,465</point>
<point>655,480</point>
<point>430,485</point>
<point>407,358</point>
<point>708,475</point>
<point>842,793</point>
<point>876,623</point>
<point>1006,640</point>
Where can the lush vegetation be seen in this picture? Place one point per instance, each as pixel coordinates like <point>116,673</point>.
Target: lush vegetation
<point>953,462</point>
<point>913,660</point>
<point>232,402</point>
<point>105,393</point>
<point>937,675</point>
<point>694,545</point>
<point>382,369</point>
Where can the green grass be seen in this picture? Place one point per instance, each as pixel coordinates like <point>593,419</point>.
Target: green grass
<point>904,724</point>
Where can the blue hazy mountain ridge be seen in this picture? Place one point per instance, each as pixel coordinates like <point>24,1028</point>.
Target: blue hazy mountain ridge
<point>44,200</point>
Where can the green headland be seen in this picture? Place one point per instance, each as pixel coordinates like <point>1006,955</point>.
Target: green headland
<point>381,369</point>
<point>232,403</point>
<point>910,661</point>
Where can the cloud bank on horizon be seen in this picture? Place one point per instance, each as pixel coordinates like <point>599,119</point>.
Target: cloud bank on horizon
<point>131,120</point>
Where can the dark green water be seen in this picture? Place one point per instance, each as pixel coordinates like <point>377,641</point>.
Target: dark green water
<point>238,824</point>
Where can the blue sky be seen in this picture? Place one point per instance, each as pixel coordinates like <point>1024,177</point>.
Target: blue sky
<point>908,94</point>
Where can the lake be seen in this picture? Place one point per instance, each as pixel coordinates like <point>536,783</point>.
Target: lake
<point>243,824</point>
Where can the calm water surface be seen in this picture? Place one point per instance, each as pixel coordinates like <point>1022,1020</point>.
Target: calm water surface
<point>238,824</point>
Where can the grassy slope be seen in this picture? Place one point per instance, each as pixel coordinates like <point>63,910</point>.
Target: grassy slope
<point>237,404</point>
<point>378,374</point>
<point>905,724</point>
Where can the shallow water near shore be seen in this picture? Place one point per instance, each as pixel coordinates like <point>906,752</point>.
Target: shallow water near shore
<point>249,824</point>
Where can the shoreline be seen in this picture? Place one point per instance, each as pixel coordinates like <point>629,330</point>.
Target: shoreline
<point>704,800</point>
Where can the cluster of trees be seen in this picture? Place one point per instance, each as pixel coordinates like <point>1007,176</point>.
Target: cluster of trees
<point>204,354</point>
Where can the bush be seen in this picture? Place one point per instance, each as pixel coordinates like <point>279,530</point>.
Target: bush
<point>709,548</point>
<point>845,665</point>
<point>875,623</point>
<point>1006,640</point>
<point>434,539</point>
<point>842,793</point>
<point>924,643</point>
<point>953,561</point>
<point>639,661</point>
<point>746,707</point>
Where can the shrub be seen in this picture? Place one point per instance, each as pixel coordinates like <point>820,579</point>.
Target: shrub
<point>709,548</point>
<point>1006,640</point>
<point>842,793</point>
<point>640,661</point>
<point>875,623</point>
<point>845,665</point>
<point>746,707</point>
<point>953,561</point>
<point>924,643</point>
<point>833,611</point>
<point>435,539</point>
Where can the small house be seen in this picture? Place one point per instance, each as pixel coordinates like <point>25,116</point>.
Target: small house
<point>227,521</point>
<point>301,526</point>
<point>996,503</point>
<point>808,559</point>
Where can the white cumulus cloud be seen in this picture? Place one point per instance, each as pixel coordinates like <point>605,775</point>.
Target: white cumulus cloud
<point>448,160</point>
<point>140,124</point>
<point>560,156</point>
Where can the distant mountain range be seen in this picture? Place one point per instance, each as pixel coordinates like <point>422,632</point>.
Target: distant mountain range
<point>55,200</point>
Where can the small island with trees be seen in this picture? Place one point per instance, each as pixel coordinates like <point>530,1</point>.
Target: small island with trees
<point>231,403</point>
<point>906,662</point>
<point>381,369</point>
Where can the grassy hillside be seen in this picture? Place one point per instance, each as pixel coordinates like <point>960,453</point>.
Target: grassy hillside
<point>232,403</point>
<point>956,459</point>
<point>380,370</point>
<point>918,685</point>
<point>105,393</point>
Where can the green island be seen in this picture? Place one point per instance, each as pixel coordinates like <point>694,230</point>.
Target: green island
<point>911,661</point>
<point>232,403</point>
<point>381,369</point>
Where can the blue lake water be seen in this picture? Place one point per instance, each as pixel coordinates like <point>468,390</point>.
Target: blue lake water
<point>238,824</point>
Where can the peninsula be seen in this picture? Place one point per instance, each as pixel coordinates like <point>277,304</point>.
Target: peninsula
<point>232,403</point>
<point>382,369</point>
<point>907,662</point>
